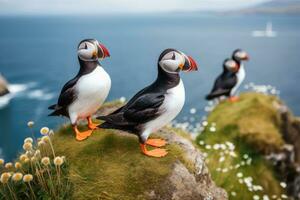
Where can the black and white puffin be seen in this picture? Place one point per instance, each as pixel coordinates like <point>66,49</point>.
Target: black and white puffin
<point>156,105</point>
<point>231,78</point>
<point>225,81</point>
<point>82,96</point>
<point>239,56</point>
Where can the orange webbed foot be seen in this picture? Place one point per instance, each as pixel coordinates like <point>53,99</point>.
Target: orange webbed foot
<point>156,142</point>
<point>158,153</point>
<point>91,125</point>
<point>80,136</point>
<point>233,99</point>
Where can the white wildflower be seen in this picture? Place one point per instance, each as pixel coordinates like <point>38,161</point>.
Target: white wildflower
<point>212,129</point>
<point>44,130</point>
<point>28,140</point>
<point>245,156</point>
<point>233,194</point>
<point>266,197</point>
<point>222,159</point>
<point>283,184</point>
<point>193,110</point>
<point>239,175</point>
<point>122,99</point>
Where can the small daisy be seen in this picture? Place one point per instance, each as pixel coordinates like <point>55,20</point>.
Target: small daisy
<point>9,165</point>
<point>1,161</point>
<point>58,161</point>
<point>45,139</point>
<point>28,140</point>
<point>30,124</point>
<point>44,130</point>
<point>45,161</point>
<point>17,177</point>
<point>23,157</point>
<point>27,178</point>
<point>5,177</point>
<point>18,165</point>
<point>27,146</point>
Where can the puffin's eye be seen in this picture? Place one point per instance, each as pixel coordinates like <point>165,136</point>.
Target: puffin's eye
<point>174,56</point>
<point>85,45</point>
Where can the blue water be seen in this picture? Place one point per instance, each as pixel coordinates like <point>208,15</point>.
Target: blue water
<point>40,52</point>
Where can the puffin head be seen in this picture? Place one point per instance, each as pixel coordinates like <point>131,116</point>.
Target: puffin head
<point>240,55</point>
<point>174,61</point>
<point>92,50</point>
<point>230,65</point>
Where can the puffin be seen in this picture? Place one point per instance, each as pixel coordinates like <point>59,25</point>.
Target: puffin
<point>239,56</point>
<point>83,95</point>
<point>231,78</point>
<point>156,105</point>
<point>225,81</point>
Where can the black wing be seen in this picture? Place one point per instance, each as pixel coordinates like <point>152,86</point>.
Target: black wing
<point>68,93</point>
<point>145,108</point>
<point>139,110</point>
<point>66,97</point>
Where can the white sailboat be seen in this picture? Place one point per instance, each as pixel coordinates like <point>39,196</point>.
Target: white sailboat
<point>265,33</point>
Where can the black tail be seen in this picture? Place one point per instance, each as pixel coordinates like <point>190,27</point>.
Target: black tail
<point>52,107</point>
<point>106,125</point>
<point>209,97</point>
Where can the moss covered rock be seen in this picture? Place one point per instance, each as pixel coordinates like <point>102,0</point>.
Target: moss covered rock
<point>110,165</point>
<point>245,135</point>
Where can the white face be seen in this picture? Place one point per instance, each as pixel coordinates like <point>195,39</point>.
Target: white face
<point>241,55</point>
<point>231,65</point>
<point>172,62</point>
<point>88,51</point>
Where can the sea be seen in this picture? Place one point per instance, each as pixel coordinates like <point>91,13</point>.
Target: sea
<point>38,55</point>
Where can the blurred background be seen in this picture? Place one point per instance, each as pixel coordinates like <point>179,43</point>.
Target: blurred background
<point>38,41</point>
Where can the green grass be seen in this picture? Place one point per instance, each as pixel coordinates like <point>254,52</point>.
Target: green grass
<point>253,126</point>
<point>111,166</point>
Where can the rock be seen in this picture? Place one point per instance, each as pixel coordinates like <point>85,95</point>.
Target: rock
<point>183,184</point>
<point>288,164</point>
<point>3,86</point>
<point>123,172</point>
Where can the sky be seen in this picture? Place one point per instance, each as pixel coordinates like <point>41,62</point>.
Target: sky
<point>117,6</point>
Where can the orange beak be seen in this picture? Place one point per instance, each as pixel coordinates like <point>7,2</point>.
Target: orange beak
<point>193,66</point>
<point>105,51</point>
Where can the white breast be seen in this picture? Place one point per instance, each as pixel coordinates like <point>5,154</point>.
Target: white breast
<point>241,74</point>
<point>172,105</point>
<point>92,90</point>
